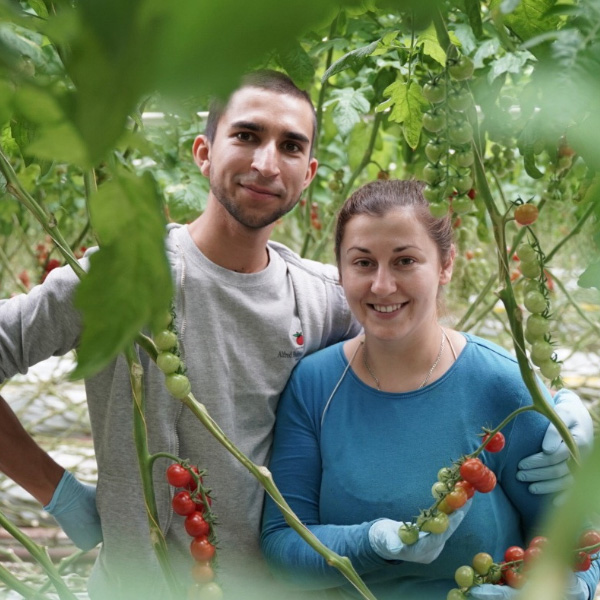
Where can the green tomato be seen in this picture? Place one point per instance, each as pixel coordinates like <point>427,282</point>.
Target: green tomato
<point>168,362</point>
<point>436,149</point>
<point>482,563</point>
<point>178,385</point>
<point>455,594</point>
<point>461,68</point>
<point>434,193</point>
<point>439,209</point>
<point>464,576</point>
<point>462,183</point>
<point>444,474</point>
<point>537,325</point>
<point>433,174</point>
<point>408,534</point>
<point>165,340</point>
<point>434,120</point>
<point>463,158</point>
<point>461,205</point>
<point>541,351</point>
<point>460,133</point>
<point>535,302</point>
<point>459,99</point>
<point>436,524</point>
<point>550,369</point>
<point>435,90</point>
<point>526,253</point>
<point>531,285</point>
<point>439,489</point>
<point>531,270</point>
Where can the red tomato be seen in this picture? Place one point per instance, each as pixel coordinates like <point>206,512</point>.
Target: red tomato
<point>487,484</point>
<point>496,443</point>
<point>192,483</point>
<point>514,553</point>
<point>532,554</point>
<point>589,538</point>
<point>515,579</point>
<point>465,485</point>
<point>538,542</point>
<point>196,526</point>
<point>456,498</point>
<point>526,214</point>
<point>183,503</point>
<point>178,476</point>
<point>583,562</point>
<point>472,470</point>
<point>202,550</point>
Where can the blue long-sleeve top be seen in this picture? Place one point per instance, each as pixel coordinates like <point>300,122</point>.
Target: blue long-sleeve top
<point>346,460</point>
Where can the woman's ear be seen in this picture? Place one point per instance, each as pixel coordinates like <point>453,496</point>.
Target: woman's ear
<point>446,268</point>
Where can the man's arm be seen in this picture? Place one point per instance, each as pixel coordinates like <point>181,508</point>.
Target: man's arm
<point>23,460</point>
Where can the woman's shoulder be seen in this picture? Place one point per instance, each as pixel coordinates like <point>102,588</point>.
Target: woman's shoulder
<point>321,361</point>
<point>483,347</point>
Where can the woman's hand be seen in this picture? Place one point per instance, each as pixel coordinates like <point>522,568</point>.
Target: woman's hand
<point>548,471</point>
<point>386,542</point>
<point>577,590</point>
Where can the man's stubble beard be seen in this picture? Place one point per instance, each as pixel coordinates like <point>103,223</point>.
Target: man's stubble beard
<point>246,218</point>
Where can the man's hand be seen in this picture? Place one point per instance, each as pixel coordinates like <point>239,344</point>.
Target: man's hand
<point>386,542</point>
<point>73,505</point>
<point>548,471</point>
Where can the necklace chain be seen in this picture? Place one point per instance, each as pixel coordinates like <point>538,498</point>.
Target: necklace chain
<point>431,370</point>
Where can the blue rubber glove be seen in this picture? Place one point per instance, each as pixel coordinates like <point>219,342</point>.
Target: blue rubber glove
<point>385,541</point>
<point>549,469</point>
<point>576,590</point>
<point>73,505</point>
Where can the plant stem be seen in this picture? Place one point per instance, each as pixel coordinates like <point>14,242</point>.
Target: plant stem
<point>41,556</point>
<point>157,538</point>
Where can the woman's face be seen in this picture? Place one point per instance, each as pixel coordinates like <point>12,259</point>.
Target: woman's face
<point>391,272</point>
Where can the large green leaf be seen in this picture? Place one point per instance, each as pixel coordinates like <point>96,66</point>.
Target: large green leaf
<point>129,283</point>
<point>298,65</point>
<point>348,107</point>
<point>529,18</point>
<point>408,106</point>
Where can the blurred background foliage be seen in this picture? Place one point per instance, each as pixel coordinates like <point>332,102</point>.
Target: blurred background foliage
<point>100,102</point>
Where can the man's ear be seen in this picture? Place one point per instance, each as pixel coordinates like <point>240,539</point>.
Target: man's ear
<point>201,152</point>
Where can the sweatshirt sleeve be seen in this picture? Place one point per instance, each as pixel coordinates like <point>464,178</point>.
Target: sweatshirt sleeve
<point>39,324</point>
<point>296,469</point>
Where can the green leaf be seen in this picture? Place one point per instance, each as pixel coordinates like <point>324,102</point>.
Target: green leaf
<point>473,10</point>
<point>358,140</point>
<point>431,45</point>
<point>37,105</point>
<point>590,278</point>
<point>59,142</point>
<point>409,104</point>
<point>512,62</point>
<point>529,18</point>
<point>298,65</point>
<point>129,282</point>
<point>349,105</point>
<point>352,60</point>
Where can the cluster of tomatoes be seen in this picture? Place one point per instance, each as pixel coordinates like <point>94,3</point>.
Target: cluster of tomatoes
<point>536,302</point>
<point>193,502</point>
<point>169,361</point>
<point>449,151</point>
<point>512,571</point>
<point>454,486</point>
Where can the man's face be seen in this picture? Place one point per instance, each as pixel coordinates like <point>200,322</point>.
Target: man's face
<point>259,161</point>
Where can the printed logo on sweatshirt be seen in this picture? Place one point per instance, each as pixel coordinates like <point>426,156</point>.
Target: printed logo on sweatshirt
<point>295,352</point>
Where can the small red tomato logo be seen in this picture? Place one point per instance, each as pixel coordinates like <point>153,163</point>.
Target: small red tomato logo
<point>299,338</point>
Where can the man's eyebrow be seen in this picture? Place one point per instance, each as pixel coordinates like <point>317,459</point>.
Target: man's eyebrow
<point>252,126</point>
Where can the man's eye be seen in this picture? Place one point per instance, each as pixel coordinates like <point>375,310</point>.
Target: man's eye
<point>292,147</point>
<point>243,136</point>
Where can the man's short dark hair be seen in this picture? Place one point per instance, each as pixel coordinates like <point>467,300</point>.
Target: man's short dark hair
<point>266,79</point>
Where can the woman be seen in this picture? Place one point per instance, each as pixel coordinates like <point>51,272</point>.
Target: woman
<point>364,426</point>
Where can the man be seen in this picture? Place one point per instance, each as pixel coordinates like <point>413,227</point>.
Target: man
<point>247,310</point>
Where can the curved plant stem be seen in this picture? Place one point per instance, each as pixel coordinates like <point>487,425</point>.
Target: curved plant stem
<point>145,461</point>
<point>41,556</point>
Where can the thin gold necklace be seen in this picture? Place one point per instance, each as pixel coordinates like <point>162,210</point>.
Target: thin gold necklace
<point>433,366</point>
